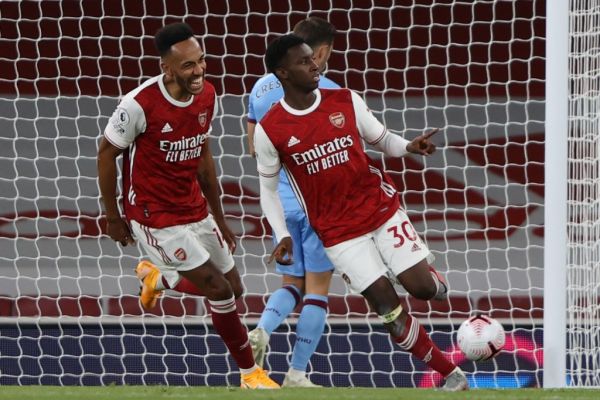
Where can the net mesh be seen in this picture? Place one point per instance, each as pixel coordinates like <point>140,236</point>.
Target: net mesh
<point>583,207</point>
<point>68,297</point>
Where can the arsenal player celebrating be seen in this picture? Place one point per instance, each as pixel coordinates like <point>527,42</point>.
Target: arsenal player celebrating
<point>306,281</point>
<point>162,128</point>
<point>316,136</point>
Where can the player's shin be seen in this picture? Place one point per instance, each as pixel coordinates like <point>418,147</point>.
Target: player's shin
<point>411,336</point>
<point>186,286</point>
<point>226,322</point>
<point>183,284</point>
<point>309,330</point>
<point>281,303</point>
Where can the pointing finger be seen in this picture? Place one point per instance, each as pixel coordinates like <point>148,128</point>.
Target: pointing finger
<point>432,132</point>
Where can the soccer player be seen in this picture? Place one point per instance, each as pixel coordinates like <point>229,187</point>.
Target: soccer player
<point>162,128</point>
<point>308,278</point>
<point>317,136</point>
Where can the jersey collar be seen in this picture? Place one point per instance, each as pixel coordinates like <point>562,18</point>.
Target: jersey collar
<point>308,110</point>
<point>167,96</point>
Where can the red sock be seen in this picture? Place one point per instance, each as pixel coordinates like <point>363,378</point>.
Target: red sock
<point>183,286</point>
<point>415,340</point>
<point>228,325</point>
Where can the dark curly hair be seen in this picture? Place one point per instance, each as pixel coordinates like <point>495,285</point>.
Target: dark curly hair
<point>170,34</point>
<point>277,50</point>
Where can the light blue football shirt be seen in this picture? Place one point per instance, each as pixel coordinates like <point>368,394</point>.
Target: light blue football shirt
<point>266,92</point>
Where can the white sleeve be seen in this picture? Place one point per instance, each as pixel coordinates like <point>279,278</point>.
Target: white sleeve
<point>271,205</point>
<point>267,157</point>
<point>214,114</point>
<point>126,123</point>
<point>373,131</point>
<point>216,108</point>
<point>268,165</point>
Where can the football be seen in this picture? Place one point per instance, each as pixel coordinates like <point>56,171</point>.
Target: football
<point>480,338</point>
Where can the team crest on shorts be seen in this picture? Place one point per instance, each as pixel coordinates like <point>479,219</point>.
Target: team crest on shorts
<point>346,279</point>
<point>202,118</point>
<point>337,119</point>
<point>180,254</point>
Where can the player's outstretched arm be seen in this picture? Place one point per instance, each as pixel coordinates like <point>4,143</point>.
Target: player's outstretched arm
<point>378,136</point>
<point>116,226</point>
<point>207,177</point>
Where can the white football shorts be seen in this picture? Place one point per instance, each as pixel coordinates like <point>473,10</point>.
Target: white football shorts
<point>395,246</point>
<point>184,247</point>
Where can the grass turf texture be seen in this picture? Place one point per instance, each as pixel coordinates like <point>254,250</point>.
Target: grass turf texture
<point>221,393</point>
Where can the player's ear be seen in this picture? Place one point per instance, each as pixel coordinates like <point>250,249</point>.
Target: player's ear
<point>166,68</point>
<point>281,73</point>
<point>320,52</point>
<point>327,50</point>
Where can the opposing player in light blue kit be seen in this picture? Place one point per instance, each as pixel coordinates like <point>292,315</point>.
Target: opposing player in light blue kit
<point>310,274</point>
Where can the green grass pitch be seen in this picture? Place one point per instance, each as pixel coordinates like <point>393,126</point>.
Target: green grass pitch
<point>222,393</point>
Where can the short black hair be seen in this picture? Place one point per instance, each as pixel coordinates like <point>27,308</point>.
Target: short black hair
<point>315,31</point>
<point>277,50</point>
<point>170,34</point>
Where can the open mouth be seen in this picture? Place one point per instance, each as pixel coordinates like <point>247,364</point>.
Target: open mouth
<point>197,83</point>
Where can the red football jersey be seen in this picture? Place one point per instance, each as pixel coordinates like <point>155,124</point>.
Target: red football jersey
<point>343,193</point>
<point>164,139</point>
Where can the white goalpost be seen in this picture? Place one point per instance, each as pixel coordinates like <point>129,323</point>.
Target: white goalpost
<point>69,311</point>
<point>555,202</point>
<point>572,258</point>
<point>583,183</point>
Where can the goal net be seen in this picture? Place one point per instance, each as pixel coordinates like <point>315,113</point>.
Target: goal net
<point>69,311</point>
<point>583,207</point>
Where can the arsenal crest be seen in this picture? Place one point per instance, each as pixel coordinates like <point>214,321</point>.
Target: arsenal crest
<point>337,119</point>
<point>202,119</point>
<point>180,254</point>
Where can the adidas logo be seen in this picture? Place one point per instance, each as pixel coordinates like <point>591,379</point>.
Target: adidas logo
<point>166,129</point>
<point>293,140</point>
<point>415,247</point>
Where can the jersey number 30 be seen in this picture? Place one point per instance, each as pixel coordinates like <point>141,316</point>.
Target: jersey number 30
<point>405,230</point>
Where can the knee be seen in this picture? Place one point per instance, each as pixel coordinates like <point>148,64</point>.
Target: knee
<point>218,288</point>
<point>424,291</point>
<point>221,293</point>
<point>235,282</point>
<point>297,283</point>
<point>238,290</point>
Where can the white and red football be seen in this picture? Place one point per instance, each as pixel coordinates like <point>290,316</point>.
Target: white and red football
<point>480,338</point>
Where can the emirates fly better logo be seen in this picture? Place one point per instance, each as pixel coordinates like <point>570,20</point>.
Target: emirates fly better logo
<point>325,155</point>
